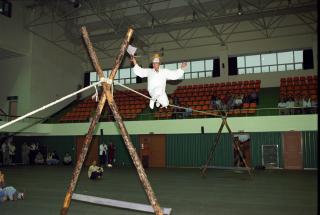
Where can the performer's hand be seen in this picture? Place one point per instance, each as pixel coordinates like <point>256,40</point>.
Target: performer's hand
<point>133,60</point>
<point>184,65</point>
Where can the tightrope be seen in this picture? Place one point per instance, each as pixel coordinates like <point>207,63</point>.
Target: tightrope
<point>49,105</point>
<point>180,107</point>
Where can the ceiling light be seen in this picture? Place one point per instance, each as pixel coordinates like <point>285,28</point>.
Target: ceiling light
<point>240,11</point>
<point>76,3</point>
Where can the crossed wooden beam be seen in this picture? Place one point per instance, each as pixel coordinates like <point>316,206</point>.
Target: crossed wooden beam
<point>107,95</point>
<point>217,140</point>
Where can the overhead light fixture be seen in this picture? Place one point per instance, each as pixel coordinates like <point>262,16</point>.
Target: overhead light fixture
<point>240,11</point>
<point>194,16</point>
<point>76,3</point>
<point>5,8</point>
<point>162,52</point>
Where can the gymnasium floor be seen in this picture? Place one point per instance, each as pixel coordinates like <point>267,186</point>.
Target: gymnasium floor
<point>222,192</point>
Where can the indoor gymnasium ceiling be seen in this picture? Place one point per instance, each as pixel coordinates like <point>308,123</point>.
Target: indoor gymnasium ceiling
<point>162,25</point>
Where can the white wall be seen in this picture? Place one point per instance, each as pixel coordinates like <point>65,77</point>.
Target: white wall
<point>183,126</point>
<point>15,76</point>
<point>54,74</point>
<point>42,72</point>
<point>237,48</point>
<point>14,36</point>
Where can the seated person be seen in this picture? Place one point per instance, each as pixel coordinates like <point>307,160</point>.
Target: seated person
<point>187,113</point>
<point>290,105</point>
<point>67,160</point>
<point>1,179</point>
<point>282,105</point>
<point>230,102</point>
<point>213,105</point>
<point>39,158</point>
<point>254,97</point>
<point>218,103</point>
<point>10,193</point>
<point>176,110</point>
<point>237,101</point>
<point>306,104</point>
<point>298,104</point>
<point>95,172</point>
<point>52,158</point>
<point>314,105</point>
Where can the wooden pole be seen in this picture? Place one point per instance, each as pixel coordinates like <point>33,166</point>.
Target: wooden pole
<point>236,143</point>
<point>108,94</point>
<point>213,147</point>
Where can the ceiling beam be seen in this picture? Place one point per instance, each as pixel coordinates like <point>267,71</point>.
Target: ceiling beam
<point>233,18</point>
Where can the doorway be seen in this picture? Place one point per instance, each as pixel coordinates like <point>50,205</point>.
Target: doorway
<point>92,152</point>
<point>292,150</point>
<point>153,150</point>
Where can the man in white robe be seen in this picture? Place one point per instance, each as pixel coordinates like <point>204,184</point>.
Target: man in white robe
<point>157,78</point>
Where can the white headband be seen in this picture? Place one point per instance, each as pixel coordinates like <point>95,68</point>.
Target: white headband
<point>156,60</point>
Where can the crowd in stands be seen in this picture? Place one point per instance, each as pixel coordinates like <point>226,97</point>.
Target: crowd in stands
<point>297,105</point>
<point>297,96</point>
<point>233,101</point>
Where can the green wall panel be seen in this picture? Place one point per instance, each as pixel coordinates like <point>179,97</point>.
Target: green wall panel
<point>122,155</point>
<point>186,150</point>
<point>310,149</point>
<point>258,139</point>
<point>192,150</point>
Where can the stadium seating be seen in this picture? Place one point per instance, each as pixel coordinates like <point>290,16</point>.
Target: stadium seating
<point>128,103</point>
<point>299,85</point>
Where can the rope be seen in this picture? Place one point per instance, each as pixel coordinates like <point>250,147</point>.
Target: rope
<point>176,106</point>
<point>49,105</point>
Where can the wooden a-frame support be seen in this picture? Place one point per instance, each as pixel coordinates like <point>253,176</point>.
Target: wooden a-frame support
<point>217,140</point>
<point>107,95</point>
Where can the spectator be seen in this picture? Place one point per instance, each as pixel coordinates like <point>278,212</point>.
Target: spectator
<point>176,110</point>
<point>238,101</point>
<point>10,193</point>
<point>95,172</point>
<point>111,153</point>
<point>25,150</point>
<point>103,148</point>
<point>39,158</point>
<point>55,156</point>
<point>282,105</point>
<point>253,97</point>
<point>298,104</point>
<point>306,105</point>
<point>213,104</point>
<point>67,160</point>
<point>187,113</point>
<point>12,151</point>
<point>5,153</point>
<point>224,102</point>
<point>52,158</point>
<point>314,105</point>
<point>1,180</point>
<point>290,105</point>
<point>246,98</point>
<point>32,153</point>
